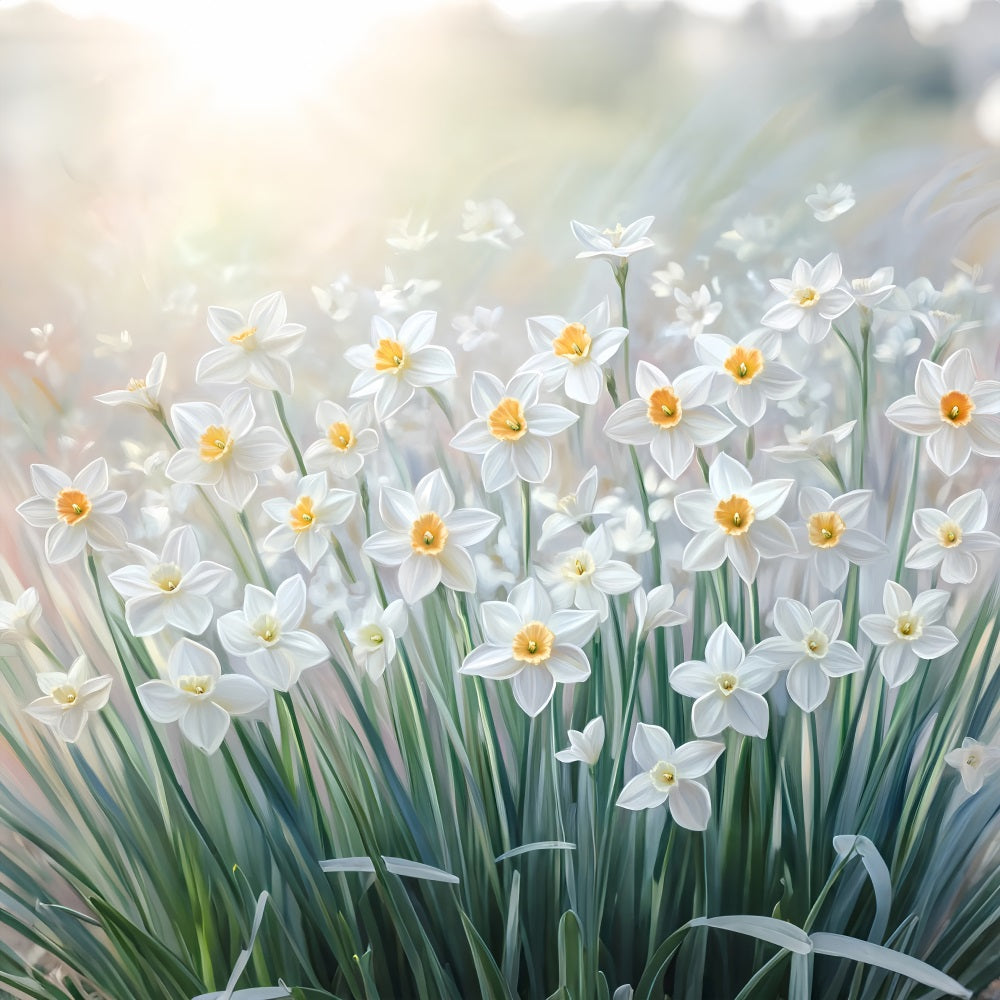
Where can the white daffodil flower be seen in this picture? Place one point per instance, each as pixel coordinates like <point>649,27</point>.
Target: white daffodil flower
<point>531,645</point>
<point>77,512</point>
<point>906,631</point>
<point>697,310</point>
<point>174,588</point>
<point>405,240</point>
<point>811,443</point>
<point>426,537</point>
<point>585,576</point>
<point>347,439</point>
<point>489,221</point>
<point>266,634</point>
<point>254,350</point>
<point>876,288</point>
<point>955,412</point>
<point>656,609</point>
<point>830,536</point>
<point>479,329</point>
<point>895,342</point>
<point>735,519</point>
<point>829,203</point>
<point>814,298</point>
<point>373,639</point>
<point>746,373</point>
<point>143,392</point>
<point>221,447</point>
<point>950,538</point>
<point>808,648</point>
<point>511,429</point>
<point>617,244</point>
<point>584,746</point>
<point>973,761</point>
<point>198,696</point>
<point>305,523</point>
<point>69,698</point>
<point>397,363</point>
<point>571,354</point>
<point>576,509</point>
<point>18,619</point>
<point>729,689</point>
<point>673,418</point>
<point>668,775</point>
<point>338,299</point>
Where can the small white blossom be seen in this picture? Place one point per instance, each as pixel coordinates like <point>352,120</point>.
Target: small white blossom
<point>198,696</point>
<point>18,619</point>
<point>396,296</point>
<point>373,639</point>
<point>814,298</point>
<point>668,775</point>
<point>143,392</point>
<point>876,288</point>
<point>338,299</point>
<point>405,240</point>
<point>479,329</point>
<point>663,283</point>
<point>573,510</point>
<point>533,646</point>
<point>69,698</point>
<point>906,631</point>
<point>490,222</point>
<point>617,244</point>
<point>949,538</point>
<point>752,236</point>
<point>895,343</point>
<point>829,203</point>
<point>347,439</point>
<point>656,609</point>
<point>697,310</point>
<point>584,746</point>
<point>974,761</point>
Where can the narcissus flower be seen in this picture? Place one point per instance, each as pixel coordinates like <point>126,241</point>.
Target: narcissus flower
<point>617,244</point>
<point>572,510</point>
<point>347,439</point>
<point>305,523</point>
<point>735,519</point>
<point>489,221</point>
<point>199,696</point>
<point>957,413</point>
<point>373,639</point>
<point>531,645</point>
<point>829,203</point>
<point>69,698</point>
<point>950,538</point>
<point>584,746</point>
<point>479,329</point>
<point>77,512</point>
<point>254,350</point>
<point>729,689</point>
<point>266,633</point>
<point>874,288</point>
<point>143,392</point>
<point>906,631</point>
<point>814,298</point>
<point>656,609</point>
<point>426,537</point>
<point>808,648</point>
<point>697,310</point>
<point>746,373</point>
<point>18,619</point>
<point>571,354</point>
<point>397,363</point>
<point>673,418</point>
<point>511,429</point>
<point>973,761</point>
<point>222,448</point>
<point>668,775</point>
<point>173,588</point>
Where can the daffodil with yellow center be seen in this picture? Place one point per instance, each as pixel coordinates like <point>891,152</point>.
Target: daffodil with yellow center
<point>950,534</point>
<point>507,421</point>
<point>341,436</point>
<point>215,444</point>
<point>429,535</point>
<point>246,338</point>
<point>533,643</point>
<point>825,529</point>
<point>813,298</point>
<point>573,343</point>
<point>69,698</point>
<point>301,516</point>
<point>744,365</point>
<point>664,775</point>
<point>198,685</point>
<point>734,515</point>
<point>665,407</point>
<point>953,538</point>
<point>390,356</point>
<point>72,506</point>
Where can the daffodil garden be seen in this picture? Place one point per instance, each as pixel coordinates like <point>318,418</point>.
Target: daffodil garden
<point>559,657</point>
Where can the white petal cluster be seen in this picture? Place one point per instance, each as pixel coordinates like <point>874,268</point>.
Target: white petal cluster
<point>974,761</point>
<point>69,699</point>
<point>141,392</point>
<point>584,746</point>
<point>347,439</point>
<point>950,538</point>
<point>373,637</point>
<point>617,244</point>
<point>19,618</point>
<point>828,204</point>
<point>813,298</point>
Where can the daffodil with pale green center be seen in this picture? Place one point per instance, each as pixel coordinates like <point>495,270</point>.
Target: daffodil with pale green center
<point>735,519</point>
<point>511,429</point>
<point>672,417</point>
<point>949,538</point>
<point>427,538</point>
<point>808,648</point>
<point>267,635</point>
<point>373,638</point>
<point>199,696</point>
<point>69,698</point>
<point>669,774</point>
<point>906,632</point>
<point>174,588</point>
<point>974,761</point>
<point>812,299</point>
<point>532,645</point>
<point>729,689</point>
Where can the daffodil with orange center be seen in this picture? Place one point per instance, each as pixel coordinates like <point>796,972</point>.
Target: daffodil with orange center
<point>346,440</point>
<point>427,538</point>
<point>532,645</point>
<point>672,417</point>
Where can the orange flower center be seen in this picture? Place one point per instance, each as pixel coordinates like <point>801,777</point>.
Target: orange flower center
<point>245,338</point>
<point>956,408</point>
<point>573,343</point>
<point>341,436</point>
<point>507,422</point>
<point>734,515</point>
<point>825,529</point>
<point>301,516</point>
<point>72,506</point>
<point>428,534</point>
<point>215,444</point>
<point>664,407</point>
<point>744,364</point>
<point>389,356</point>
<point>533,644</point>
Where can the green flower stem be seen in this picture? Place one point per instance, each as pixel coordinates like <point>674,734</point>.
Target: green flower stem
<point>911,502</point>
<point>754,599</point>
<point>342,558</point>
<point>621,274</point>
<point>866,329</point>
<point>442,405</point>
<point>39,643</point>
<point>285,699</point>
<point>279,405</point>
<point>526,527</point>
<point>247,534</point>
